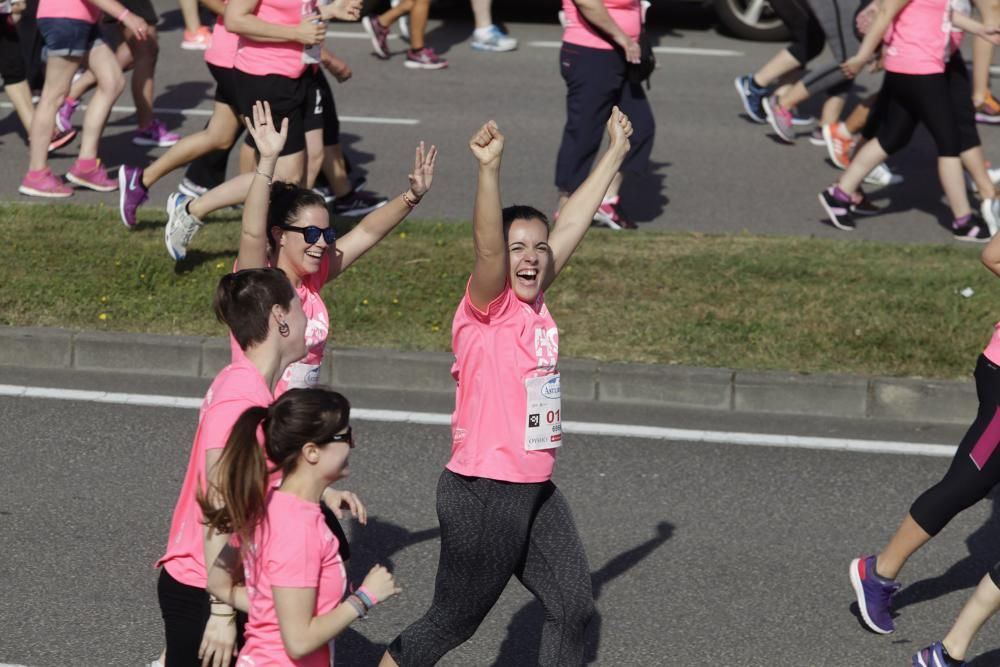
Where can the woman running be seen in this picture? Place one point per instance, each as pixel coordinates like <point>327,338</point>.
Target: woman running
<point>265,316</point>
<point>294,578</point>
<point>973,472</point>
<point>923,84</point>
<point>288,227</point>
<point>419,55</point>
<point>500,513</point>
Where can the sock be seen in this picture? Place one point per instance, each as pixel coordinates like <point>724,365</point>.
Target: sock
<point>71,101</point>
<point>961,222</point>
<point>86,165</point>
<point>840,194</point>
<point>754,84</point>
<point>948,659</point>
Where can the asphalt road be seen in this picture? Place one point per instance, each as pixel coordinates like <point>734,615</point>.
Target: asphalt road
<point>700,554</point>
<point>712,171</point>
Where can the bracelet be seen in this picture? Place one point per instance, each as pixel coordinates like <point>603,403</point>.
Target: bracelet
<point>231,614</point>
<point>358,606</point>
<point>366,597</point>
<point>268,177</point>
<point>214,599</point>
<point>121,17</point>
<point>410,202</point>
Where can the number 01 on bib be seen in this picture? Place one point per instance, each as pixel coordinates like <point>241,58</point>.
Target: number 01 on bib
<point>544,403</point>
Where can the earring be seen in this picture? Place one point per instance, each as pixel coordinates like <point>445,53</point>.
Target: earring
<point>283,329</point>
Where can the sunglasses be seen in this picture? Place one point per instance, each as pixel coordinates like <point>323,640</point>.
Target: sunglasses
<point>312,234</point>
<point>346,436</point>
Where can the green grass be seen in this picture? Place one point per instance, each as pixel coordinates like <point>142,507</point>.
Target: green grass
<point>739,301</point>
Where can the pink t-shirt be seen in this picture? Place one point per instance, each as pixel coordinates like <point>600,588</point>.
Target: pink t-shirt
<point>919,39</point>
<point>626,13</point>
<point>284,58</point>
<point>237,387</point>
<point>292,548</point>
<point>81,10</point>
<point>304,373</point>
<point>495,351</point>
<point>222,52</point>
<point>992,351</point>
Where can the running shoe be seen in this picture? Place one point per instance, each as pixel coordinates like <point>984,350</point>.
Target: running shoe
<point>199,40</point>
<point>424,58</point>
<point>816,137</point>
<point>752,97</point>
<point>60,138</point>
<point>882,176</point>
<point>989,111</point>
<point>403,23</point>
<point>934,656</point>
<point>357,203</point>
<point>994,175</point>
<point>874,594</point>
<point>839,149</point>
<point>324,192</point>
<point>838,209</point>
<point>378,34</point>
<point>609,215</point>
<point>190,188</point>
<point>44,184</point>
<point>492,38</point>
<point>132,194</point>
<point>780,119</point>
<point>802,121</point>
<point>181,225</point>
<point>93,178</point>
<point>64,117</point>
<point>865,207</point>
<point>990,210</point>
<point>155,134</point>
<point>974,231</point>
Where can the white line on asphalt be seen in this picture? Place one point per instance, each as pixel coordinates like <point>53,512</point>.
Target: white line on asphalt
<point>672,50</point>
<point>208,112</point>
<point>582,428</point>
<point>344,34</point>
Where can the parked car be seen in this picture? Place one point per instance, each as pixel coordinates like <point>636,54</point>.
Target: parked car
<point>750,19</point>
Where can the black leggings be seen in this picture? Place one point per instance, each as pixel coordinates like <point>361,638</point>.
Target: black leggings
<point>942,102</point>
<point>808,39</point>
<point>976,466</point>
<point>490,531</point>
<point>185,611</point>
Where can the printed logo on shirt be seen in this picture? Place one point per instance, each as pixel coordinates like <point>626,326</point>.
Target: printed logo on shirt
<point>551,388</point>
<point>534,421</point>
<point>547,347</point>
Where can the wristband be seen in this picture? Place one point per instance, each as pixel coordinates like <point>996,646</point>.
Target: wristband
<point>363,593</point>
<point>121,17</point>
<point>410,202</point>
<point>358,606</point>
<point>365,600</point>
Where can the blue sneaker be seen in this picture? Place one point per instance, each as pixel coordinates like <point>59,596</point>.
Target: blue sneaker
<point>752,98</point>
<point>874,594</point>
<point>933,656</point>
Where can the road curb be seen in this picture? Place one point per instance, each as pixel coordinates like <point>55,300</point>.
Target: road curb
<point>844,396</point>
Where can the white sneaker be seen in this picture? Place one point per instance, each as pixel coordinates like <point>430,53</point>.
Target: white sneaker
<point>970,184</point>
<point>403,23</point>
<point>493,39</point>
<point>181,226</point>
<point>190,188</point>
<point>882,177</point>
<point>990,208</point>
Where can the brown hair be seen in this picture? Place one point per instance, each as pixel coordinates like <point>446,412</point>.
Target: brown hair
<point>287,201</point>
<point>243,302</point>
<point>299,416</point>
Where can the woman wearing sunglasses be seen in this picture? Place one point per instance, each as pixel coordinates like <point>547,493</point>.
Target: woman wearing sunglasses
<point>288,227</point>
<point>293,577</point>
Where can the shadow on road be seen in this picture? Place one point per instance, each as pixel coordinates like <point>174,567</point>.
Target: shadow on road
<point>644,195</point>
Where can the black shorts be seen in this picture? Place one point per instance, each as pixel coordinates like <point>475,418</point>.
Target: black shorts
<point>142,8</point>
<point>321,112</point>
<point>287,97</point>
<point>225,86</point>
<point>12,67</point>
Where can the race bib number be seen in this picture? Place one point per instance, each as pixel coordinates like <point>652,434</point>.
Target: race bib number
<point>544,403</point>
<point>303,376</point>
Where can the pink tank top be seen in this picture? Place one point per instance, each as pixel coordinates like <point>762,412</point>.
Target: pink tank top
<point>919,39</point>
<point>626,13</point>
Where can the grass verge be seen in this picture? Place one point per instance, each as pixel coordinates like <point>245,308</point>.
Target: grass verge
<point>763,302</point>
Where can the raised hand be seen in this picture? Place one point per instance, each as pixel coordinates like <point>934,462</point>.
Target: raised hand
<point>268,138</point>
<point>311,31</point>
<point>423,170</point>
<point>619,130</point>
<point>487,144</point>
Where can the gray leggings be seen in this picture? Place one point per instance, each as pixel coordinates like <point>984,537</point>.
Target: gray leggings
<point>837,20</point>
<point>491,530</point>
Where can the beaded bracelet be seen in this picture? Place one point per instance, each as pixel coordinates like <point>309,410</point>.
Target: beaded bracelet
<point>269,178</point>
<point>411,203</point>
<point>358,606</point>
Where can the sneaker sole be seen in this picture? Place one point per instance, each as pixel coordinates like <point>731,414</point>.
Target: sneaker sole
<point>831,153</point>
<point>151,142</point>
<point>746,104</point>
<point>970,239</point>
<point>992,223</point>
<point>409,64</point>
<point>194,47</point>
<point>833,217</point>
<point>987,120</point>
<point>817,141</point>
<point>602,219</point>
<point>492,49</point>
<point>367,25</point>
<point>75,180</point>
<point>32,192</point>
<point>65,140</point>
<point>773,121</point>
<point>859,593</point>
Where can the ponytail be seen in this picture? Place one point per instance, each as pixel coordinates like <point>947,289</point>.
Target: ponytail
<point>236,502</point>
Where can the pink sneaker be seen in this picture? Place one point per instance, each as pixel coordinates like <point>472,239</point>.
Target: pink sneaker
<point>60,138</point>
<point>197,41</point>
<point>64,117</point>
<point>44,184</point>
<point>94,178</point>
<point>155,134</point>
<point>425,58</point>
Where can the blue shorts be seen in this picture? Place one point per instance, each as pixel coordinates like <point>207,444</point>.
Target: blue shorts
<point>69,38</point>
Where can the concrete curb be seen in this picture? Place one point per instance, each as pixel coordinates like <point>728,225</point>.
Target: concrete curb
<point>899,399</point>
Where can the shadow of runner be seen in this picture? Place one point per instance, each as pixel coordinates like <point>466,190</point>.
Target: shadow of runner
<point>520,647</point>
<point>644,195</point>
<point>990,659</point>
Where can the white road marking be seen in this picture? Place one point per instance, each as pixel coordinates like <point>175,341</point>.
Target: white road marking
<point>344,34</point>
<point>572,427</point>
<point>380,120</point>
<point>671,50</point>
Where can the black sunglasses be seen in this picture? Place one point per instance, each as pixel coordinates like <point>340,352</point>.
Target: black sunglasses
<point>347,436</point>
<point>312,233</point>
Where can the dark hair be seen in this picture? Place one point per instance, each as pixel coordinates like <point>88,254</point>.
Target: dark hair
<point>243,302</point>
<point>297,417</point>
<point>521,212</point>
<point>287,201</point>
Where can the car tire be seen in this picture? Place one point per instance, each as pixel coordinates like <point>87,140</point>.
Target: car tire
<point>733,14</point>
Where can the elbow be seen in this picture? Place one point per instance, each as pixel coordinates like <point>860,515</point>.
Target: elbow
<point>295,649</point>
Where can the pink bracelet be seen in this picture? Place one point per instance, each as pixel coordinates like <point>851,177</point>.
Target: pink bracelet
<point>121,17</point>
<point>364,591</point>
